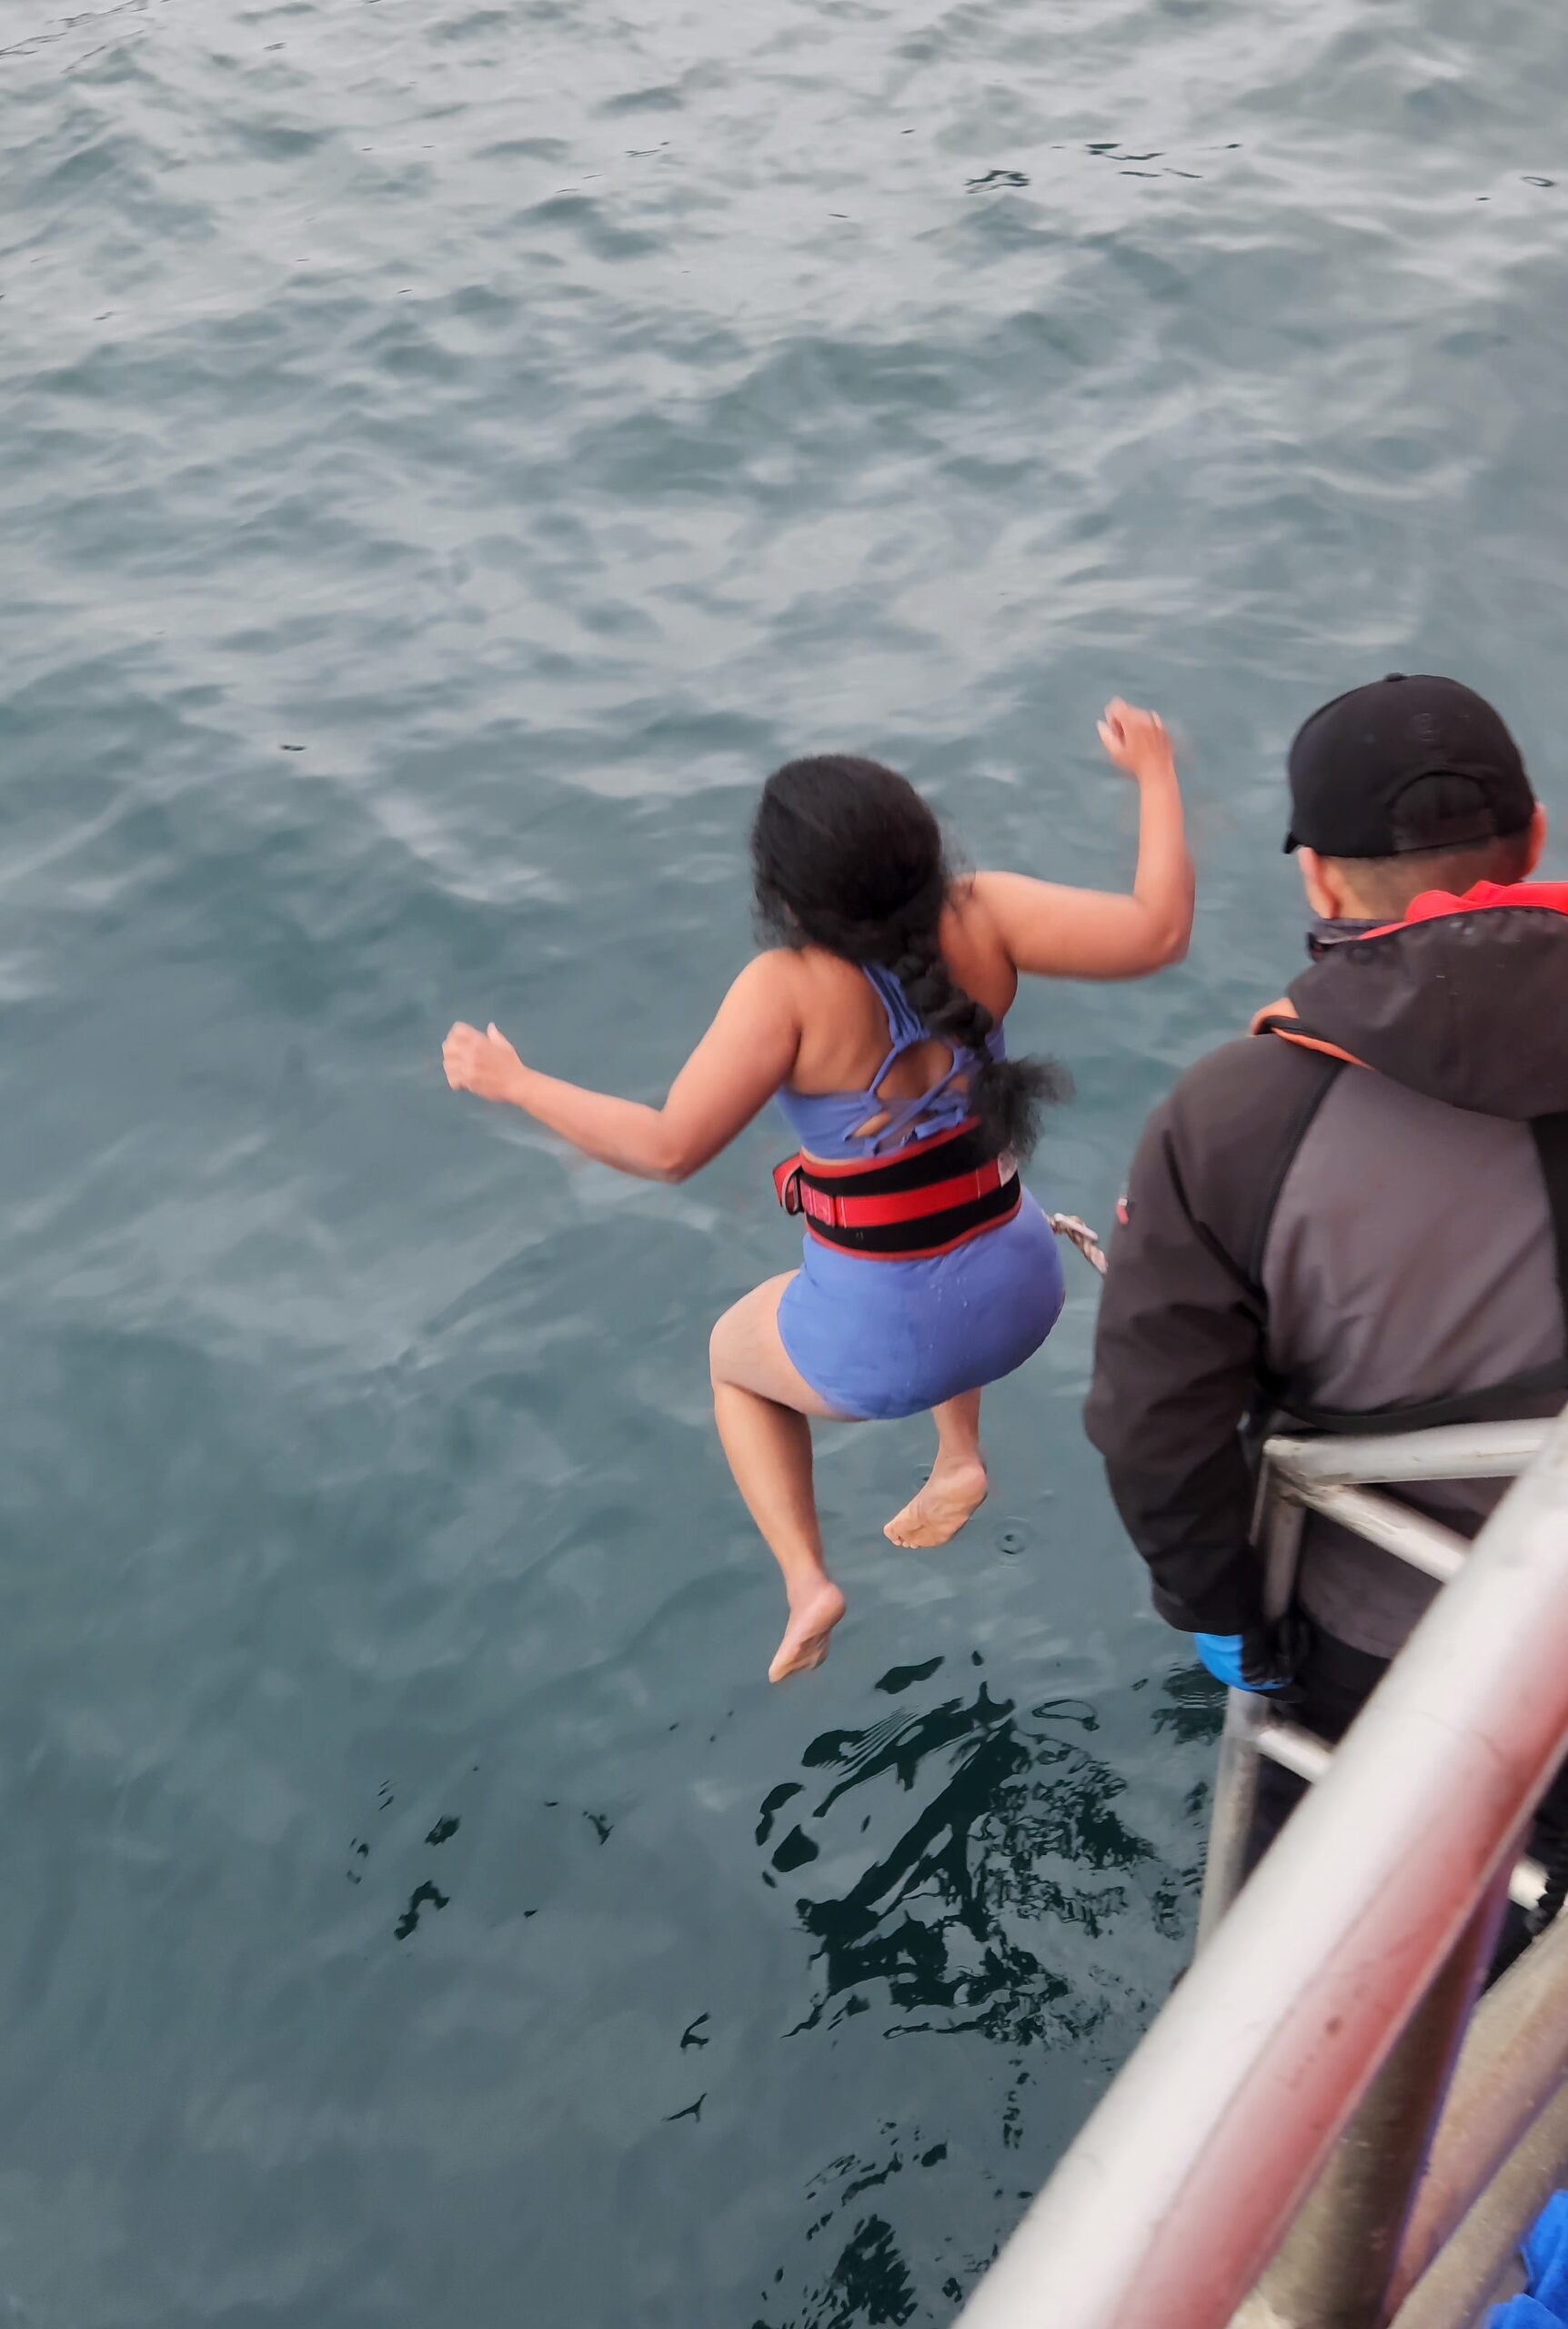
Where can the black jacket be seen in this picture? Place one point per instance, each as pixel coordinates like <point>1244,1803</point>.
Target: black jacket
<point>1367,1242</point>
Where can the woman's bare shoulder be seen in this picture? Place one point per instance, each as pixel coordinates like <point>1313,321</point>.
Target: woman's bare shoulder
<point>973,944</point>
<point>974,898</point>
<point>977,904</point>
<point>769,981</point>
<point>773,966</point>
<point>806,970</point>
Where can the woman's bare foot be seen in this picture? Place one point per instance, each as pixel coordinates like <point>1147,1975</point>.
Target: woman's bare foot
<point>954,1492</point>
<point>805,1643</point>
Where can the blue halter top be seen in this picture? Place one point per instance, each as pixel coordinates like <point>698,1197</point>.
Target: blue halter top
<point>827,1123</point>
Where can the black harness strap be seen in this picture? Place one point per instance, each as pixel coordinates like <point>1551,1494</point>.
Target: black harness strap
<point>1540,1393</point>
<point>914,1167</point>
<point>1551,1137</point>
<point>871,1205</point>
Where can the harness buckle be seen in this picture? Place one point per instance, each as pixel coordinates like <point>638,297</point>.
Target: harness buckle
<point>787,1182</point>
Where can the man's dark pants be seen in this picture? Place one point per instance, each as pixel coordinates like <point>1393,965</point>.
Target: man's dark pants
<point>1333,1684</point>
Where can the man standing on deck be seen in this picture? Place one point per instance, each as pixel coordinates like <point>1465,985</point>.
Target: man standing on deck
<point>1356,1216</point>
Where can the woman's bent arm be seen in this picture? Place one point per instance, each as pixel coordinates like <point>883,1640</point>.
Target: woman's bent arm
<point>1059,932</point>
<point>747,1054</point>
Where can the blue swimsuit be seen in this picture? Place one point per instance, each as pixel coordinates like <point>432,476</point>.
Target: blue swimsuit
<point>876,1338</point>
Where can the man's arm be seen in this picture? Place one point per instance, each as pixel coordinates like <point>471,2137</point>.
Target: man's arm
<point>1179,1353</point>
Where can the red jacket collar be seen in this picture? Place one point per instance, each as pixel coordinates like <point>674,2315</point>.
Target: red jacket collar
<point>1551,897</point>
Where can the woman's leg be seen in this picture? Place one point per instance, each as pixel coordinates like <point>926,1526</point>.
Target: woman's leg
<point>761,1403</point>
<point>957,1485</point>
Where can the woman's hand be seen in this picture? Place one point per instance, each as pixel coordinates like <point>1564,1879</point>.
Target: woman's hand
<point>1059,932</point>
<point>747,1054</point>
<point>484,1064</point>
<point>1136,741</point>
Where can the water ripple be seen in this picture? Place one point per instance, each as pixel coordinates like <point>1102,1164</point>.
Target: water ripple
<point>452,451</point>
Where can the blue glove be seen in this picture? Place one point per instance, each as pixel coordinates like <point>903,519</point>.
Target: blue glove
<point>1248,1661</point>
<point>1546,2256</point>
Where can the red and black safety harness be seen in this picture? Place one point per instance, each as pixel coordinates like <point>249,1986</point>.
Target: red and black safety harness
<point>932,1195</point>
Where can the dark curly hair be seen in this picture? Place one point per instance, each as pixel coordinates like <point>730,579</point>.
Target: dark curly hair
<point>847,856</point>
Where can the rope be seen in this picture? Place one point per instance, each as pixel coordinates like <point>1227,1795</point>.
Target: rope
<point>1079,1233</point>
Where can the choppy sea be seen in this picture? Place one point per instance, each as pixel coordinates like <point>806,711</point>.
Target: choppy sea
<point>450,454</point>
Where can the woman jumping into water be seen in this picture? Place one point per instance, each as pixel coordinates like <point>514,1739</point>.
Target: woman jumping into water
<point>877,1023</point>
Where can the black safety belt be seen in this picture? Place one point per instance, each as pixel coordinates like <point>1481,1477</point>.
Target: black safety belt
<point>1551,1137</point>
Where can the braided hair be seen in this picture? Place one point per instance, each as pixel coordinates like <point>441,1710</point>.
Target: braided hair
<point>847,856</point>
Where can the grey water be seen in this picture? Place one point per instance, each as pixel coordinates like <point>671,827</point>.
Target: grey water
<point>450,453</point>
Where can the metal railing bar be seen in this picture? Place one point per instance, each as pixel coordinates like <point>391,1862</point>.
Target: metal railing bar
<point>1462,1451</point>
<point>1333,2268</point>
<point>1277,1523</point>
<point>1514,2059</point>
<point>1458,2287</point>
<point>1293,1749</point>
<point>1393,1527</point>
<point>1185,2176</point>
<point>1235,1803</point>
<point>1527,1883</point>
<point>1298,1750</point>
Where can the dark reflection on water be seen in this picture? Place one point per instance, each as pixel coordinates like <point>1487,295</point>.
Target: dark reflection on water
<point>426,1895</point>
<point>1195,1711</point>
<point>975,1908</point>
<point>1192,1715</point>
<point>1016,1832</point>
<point>870,2282</point>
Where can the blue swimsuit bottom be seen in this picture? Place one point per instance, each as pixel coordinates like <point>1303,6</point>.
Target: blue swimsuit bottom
<point>877,1338</point>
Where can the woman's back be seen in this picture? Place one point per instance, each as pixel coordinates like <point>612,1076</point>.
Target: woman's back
<point>844,1019</point>
<point>874,1118</point>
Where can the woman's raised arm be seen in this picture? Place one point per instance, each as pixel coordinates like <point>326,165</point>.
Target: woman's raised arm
<point>1060,933</point>
<point>747,1054</point>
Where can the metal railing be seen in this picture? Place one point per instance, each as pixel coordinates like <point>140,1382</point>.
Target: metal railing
<point>1280,2112</point>
<point>1336,1477</point>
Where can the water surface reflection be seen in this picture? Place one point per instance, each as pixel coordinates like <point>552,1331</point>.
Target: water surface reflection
<point>966,1865</point>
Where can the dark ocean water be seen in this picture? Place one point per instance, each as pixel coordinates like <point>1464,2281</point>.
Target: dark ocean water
<point>450,454</point>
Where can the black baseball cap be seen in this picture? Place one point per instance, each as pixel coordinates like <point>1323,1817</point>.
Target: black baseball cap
<point>1405,763</point>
